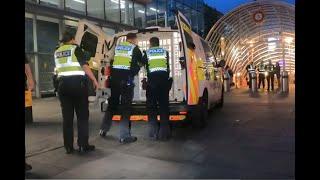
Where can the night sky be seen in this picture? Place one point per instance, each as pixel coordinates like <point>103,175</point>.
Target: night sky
<point>225,6</point>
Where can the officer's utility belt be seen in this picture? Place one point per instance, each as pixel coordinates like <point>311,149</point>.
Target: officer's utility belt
<point>61,78</point>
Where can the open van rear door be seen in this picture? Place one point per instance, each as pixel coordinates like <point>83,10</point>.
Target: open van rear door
<point>93,40</point>
<point>99,48</point>
<point>188,45</point>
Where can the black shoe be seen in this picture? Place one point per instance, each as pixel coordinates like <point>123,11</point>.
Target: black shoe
<point>28,167</point>
<point>102,133</point>
<point>69,150</point>
<point>86,148</point>
<point>164,133</point>
<point>128,140</point>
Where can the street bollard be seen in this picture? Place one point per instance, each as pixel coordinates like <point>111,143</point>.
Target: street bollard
<point>226,82</point>
<point>284,82</point>
<point>28,107</point>
<point>253,82</point>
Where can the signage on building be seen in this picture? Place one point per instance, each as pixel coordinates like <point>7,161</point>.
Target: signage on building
<point>258,16</point>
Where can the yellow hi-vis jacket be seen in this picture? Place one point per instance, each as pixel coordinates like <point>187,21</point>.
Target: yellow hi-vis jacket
<point>123,56</point>
<point>66,61</point>
<point>157,59</point>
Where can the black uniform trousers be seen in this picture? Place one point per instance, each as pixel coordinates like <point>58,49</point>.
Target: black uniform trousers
<point>270,80</point>
<point>121,93</point>
<point>261,80</point>
<point>278,79</point>
<point>250,79</point>
<point>73,95</point>
<point>158,95</point>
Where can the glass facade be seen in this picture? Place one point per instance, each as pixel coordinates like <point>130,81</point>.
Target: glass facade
<point>139,15</point>
<point>52,3</point>
<point>95,8</point>
<point>78,6</point>
<point>112,10</point>
<point>42,34</point>
<point>47,40</point>
<point>126,7</point>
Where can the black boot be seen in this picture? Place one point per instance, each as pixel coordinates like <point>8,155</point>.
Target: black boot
<point>86,148</point>
<point>28,167</point>
<point>126,140</point>
<point>69,150</point>
<point>102,133</point>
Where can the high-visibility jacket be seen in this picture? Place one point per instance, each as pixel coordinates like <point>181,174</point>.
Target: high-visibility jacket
<point>157,59</point>
<point>261,68</point>
<point>123,56</point>
<point>66,61</point>
<point>270,68</point>
<point>251,68</point>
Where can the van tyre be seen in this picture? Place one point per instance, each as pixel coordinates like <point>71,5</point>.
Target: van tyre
<point>199,113</point>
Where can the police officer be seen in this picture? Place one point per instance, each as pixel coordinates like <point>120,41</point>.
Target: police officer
<point>250,69</point>
<point>261,70</point>
<point>72,67</point>
<point>123,69</point>
<point>158,86</point>
<point>270,75</point>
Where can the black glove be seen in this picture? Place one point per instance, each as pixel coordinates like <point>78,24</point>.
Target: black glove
<point>144,83</point>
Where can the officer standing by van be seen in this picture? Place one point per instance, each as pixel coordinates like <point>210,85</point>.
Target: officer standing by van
<point>123,69</point>
<point>71,69</point>
<point>270,76</point>
<point>261,70</point>
<point>158,87</point>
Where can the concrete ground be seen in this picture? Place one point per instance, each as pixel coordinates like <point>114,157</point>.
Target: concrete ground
<point>250,137</point>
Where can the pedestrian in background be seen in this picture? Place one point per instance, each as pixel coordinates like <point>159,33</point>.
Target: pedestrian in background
<point>277,70</point>
<point>29,85</point>
<point>250,69</point>
<point>270,76</point>
<point>262,71</point>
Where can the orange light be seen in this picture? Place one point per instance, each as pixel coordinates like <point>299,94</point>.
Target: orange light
<point>145,117</point>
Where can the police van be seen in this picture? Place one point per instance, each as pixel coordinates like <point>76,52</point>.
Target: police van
<point>197,85</point>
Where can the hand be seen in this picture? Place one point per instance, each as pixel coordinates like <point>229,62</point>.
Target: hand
<point>96,85</point>
<point>30,85</point>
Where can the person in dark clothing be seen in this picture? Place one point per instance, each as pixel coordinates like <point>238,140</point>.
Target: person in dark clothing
<point>158,87</point>
<point>277,70</point>
<point>71,69</point>
<point>123,69</point>
<point>29,85</point>
<point>270,75</point>
<point>230,72</point>
<point>250,69</point>
<point>261,70</point>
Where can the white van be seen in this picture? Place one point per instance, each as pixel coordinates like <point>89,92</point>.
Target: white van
<point>197,78</point>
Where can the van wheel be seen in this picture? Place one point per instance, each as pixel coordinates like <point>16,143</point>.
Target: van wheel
<point>199,113</point>
<point>220,104</point>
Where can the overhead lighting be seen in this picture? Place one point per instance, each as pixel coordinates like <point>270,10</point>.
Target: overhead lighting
<point>79,1</point>
<point>153,9</point>
<point>272,39</point>
<point>140,11</point>
<point>288,40</point>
